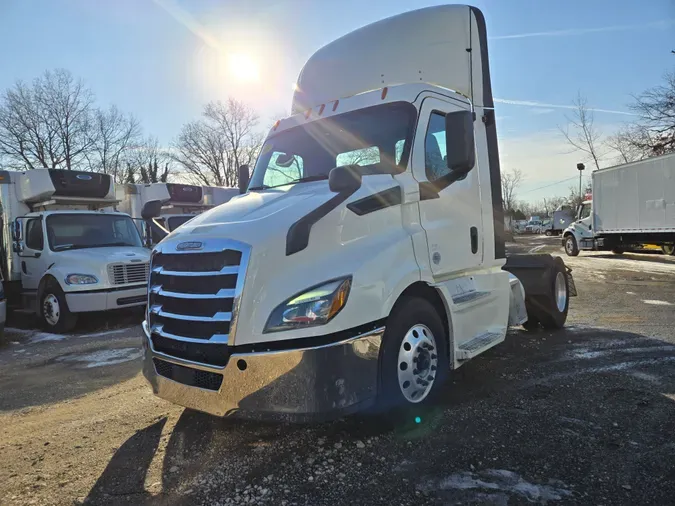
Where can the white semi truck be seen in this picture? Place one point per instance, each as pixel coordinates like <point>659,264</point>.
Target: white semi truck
<point>180,202</point>
<point>366,260</point>
<point>632,204</point>
<point>61,253</point>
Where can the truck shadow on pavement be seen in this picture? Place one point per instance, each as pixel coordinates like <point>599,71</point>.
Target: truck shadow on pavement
<point>638,257</point>
<point>583,415</point>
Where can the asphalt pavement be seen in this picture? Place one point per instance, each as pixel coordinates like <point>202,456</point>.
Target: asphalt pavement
<point>585,415</point>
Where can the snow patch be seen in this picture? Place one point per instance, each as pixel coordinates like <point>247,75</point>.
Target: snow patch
<point>42,337</point>
<point>630,293</point>
<point>503,481</point>
<point>103,357</point>
<point>536,248</point>
<point>658,302</point>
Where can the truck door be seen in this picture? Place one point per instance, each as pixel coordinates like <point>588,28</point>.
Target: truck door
<point>33,257</point>
<point>451,214</point>
<point>585,222</point>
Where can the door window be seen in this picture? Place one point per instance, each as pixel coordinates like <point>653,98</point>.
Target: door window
<point>585,211</point>
<point>34,238</point>
<point>435,148</point>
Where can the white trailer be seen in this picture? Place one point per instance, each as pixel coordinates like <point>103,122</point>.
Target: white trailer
<point>180,202</point>
<point>62,254</point>
<point>367,258</point>
<point>632,204</point>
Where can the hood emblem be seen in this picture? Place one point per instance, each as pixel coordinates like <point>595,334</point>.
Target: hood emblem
<point>84,177</point>
<point>189,245</point>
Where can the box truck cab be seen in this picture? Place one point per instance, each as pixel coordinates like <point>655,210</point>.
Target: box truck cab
<point>64,255</point>
<point>366,260</point>
<point>180,202</point>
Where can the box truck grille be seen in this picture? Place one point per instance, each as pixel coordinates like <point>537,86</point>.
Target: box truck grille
<point>192,299</point>
<point>122,274</point>
<point>187,376</point>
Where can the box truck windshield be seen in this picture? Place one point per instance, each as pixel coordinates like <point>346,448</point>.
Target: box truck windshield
<point>374,137</point>
<point>79,231</point>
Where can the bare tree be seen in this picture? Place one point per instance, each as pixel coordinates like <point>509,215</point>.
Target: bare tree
<point>53,124</point>
<point>656,108</point>
<point>212,149</point>
<point>147,162</point>
<point>550,204</point>
<point>585,136</point>
<point>115,135</point>
<point>511,181</point>
<point>630,143</point>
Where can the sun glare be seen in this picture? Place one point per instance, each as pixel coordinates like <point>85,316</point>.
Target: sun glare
<point>243,67</point>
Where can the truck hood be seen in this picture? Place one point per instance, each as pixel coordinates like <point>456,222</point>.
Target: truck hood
<point>103,255</point>
<point>254,206</point>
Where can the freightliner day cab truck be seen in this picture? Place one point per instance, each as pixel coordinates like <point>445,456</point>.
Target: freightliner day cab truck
<point>180,202</point>
<point>366,260</point>
<point>61,253</point>
<point>632,204</point>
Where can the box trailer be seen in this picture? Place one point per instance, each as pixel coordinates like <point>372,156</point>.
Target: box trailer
<point>631,205</point>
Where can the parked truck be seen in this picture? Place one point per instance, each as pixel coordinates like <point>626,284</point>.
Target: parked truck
<point>180,202</point>
<point>631,205</point>
<point>562,218</point>
<point>61,253</point>
<point>366,259</point>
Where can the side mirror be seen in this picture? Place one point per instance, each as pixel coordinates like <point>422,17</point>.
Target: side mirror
<point>243,178</point>
<point>151,209</point>
<point>16,230</point>
<point>344,179</point>
<point>459,142</point>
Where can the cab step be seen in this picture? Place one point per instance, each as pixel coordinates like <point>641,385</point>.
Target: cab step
<point>478,345</point>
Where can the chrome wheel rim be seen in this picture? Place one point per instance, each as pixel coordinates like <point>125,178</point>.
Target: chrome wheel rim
<point>417,363</point>
<point>569,245</point>
<point>560,292</point>
<point>51,309</point>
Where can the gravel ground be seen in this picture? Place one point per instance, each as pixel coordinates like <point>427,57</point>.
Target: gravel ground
<point>585,415</point>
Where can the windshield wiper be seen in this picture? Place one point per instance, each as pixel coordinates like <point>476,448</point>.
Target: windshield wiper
<point>107,244</point>
<point>318,177</point>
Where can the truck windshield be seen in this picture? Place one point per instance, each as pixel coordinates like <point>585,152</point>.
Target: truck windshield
<point>78,231</point>
<point>377,138</point>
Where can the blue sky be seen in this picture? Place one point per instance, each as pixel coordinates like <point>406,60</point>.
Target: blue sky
<point>156,59</point>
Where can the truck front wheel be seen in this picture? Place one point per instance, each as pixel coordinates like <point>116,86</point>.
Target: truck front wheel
<point>414,356</point>
<point>54,310</point>
<point>571,246</point>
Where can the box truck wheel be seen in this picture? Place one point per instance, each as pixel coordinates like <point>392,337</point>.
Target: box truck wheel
<point>668,249</point>
<point>414,356</point>
<point>617,251</point>
<point>54,309</point>
<point>548,232</point>
<point>571,246</point>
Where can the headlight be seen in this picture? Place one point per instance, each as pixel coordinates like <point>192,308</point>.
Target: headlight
<point>316,306</point>
<point>81,279</point>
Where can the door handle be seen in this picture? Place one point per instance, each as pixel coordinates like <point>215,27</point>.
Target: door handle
<point>473,232</point>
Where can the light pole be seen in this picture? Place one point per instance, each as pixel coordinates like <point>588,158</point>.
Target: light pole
<point>580,168</point>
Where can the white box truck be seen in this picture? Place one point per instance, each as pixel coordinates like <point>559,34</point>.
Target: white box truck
<point>180,202</point>
<point>62,253</point>
<point>367,259</point>
<point>631,205</point>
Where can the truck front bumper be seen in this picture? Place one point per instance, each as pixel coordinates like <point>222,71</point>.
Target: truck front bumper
<point>102,300</point>
<point>303,383</point>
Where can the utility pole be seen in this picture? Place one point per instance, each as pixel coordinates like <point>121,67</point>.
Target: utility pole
<point>580,168</point>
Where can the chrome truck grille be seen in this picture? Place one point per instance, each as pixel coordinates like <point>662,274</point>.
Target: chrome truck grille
<point>121,274</point>
<point>193,300</point>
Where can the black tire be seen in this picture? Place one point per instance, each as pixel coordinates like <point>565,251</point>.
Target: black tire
<point>571,246</point>
<point>554,317</point>
<point>668,249</point>
<point>548,233</point>
<point>64,321</point>
<point>408,312</point>
<point>617,251</point>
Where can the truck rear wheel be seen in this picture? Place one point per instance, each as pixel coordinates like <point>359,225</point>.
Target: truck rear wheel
<point>414,360</point>
<point>571,246</point>
<point>668,249</point>
<point>548,232</point>
<point>56,316</point>
<point>617,251</point>
<point>550,309</point>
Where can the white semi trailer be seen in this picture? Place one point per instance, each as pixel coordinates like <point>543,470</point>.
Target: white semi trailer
<point>61,253</point>
<point>366,260</point>
<point>632,204</point>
